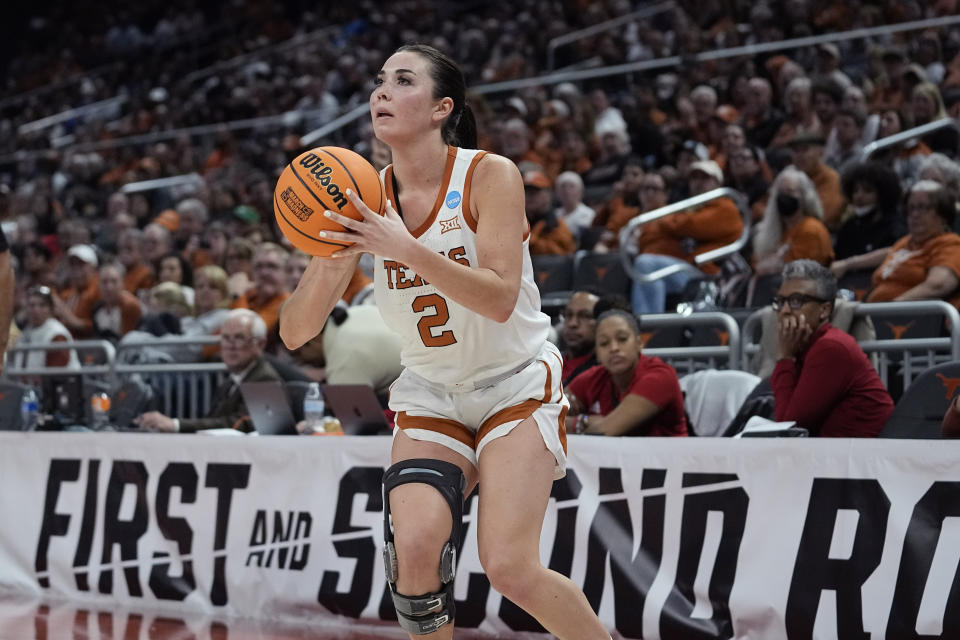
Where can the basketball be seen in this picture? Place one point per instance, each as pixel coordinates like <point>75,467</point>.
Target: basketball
<point>317,181</point>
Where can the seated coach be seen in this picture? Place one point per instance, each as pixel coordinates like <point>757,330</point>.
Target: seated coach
<point>822,380</point>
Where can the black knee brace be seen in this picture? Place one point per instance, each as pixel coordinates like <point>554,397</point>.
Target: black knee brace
<point>425,614</point>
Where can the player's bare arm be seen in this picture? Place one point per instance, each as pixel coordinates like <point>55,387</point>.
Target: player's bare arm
<point>491,288</point>
<point>304,313</point>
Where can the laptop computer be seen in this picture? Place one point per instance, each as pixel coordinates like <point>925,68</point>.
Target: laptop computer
<point>357,408</point>
<point>269,408</point>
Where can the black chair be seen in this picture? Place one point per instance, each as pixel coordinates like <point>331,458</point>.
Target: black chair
<point>11,395</point>
<point>554,277</point>
<point>132,398</point>
<point>858,281</point>
<point>899,327</point>
<point>602,272</point>
<point>919,412</point>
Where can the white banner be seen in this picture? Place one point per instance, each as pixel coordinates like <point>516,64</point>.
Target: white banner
<point>672,539</point>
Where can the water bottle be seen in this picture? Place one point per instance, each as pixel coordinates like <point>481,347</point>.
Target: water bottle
<point>29,410</point>
<point>313,408</point>
<point>100,410</point>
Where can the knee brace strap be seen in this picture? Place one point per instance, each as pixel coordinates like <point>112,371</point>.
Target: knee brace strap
<point>425,614</point>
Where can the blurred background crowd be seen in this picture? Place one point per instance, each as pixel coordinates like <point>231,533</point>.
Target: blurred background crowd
<point>219,97</point>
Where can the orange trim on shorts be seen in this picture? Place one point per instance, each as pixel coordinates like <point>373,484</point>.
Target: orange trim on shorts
<point>562,431</point>
<point>444,185</point>
<point>449,428</point>
<point>467,211</point>
<point>520,411</point>
<point>547,395</point>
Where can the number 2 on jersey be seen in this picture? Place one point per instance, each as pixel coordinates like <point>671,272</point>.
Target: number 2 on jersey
<point>437,319</point>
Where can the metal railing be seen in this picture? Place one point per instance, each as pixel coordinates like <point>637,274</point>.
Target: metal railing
<point>914,354</point>
<point>101,369</point>
<point>628,235</point>
<point>660,63</point>
<point>640,14</point>
<point>162,183</point>
<point>693,358</point>
<point>909,134</point>
<point>185,389</point>
<point>70,114</point>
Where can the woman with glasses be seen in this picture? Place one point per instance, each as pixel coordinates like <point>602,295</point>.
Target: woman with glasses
<point>925,263</point>
<point>822,380</point>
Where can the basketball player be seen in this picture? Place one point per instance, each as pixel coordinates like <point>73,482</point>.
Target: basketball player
<point>480,397</point>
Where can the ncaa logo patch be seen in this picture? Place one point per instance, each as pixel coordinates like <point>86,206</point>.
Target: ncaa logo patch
<point>453,199</point>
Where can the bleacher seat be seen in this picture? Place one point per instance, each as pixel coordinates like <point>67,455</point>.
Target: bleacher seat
<point>920,410</point>
<point>553,272</point>
<point>859,282</point>
<point>603,272</point>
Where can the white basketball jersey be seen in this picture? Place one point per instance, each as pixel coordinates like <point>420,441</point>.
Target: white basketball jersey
<point>443,341</point>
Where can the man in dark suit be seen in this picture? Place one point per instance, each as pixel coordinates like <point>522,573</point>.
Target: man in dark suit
<point>242,338</point>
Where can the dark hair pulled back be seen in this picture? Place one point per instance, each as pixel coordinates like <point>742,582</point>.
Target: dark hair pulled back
<point>460,129</point>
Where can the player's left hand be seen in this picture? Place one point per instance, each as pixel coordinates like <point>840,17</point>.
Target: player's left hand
<point>385,235</point>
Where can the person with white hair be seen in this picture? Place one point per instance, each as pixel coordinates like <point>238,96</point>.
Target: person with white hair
<point>792,227</point>
<point>243,336</point>
<point>572,210</point>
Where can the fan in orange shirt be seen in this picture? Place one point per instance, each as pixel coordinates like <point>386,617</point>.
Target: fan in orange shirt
<point>792,226</point>
<point>269,288</point>
<point>682,236</point>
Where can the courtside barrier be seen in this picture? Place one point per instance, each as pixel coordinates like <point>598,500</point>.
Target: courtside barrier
<point>669,538</point>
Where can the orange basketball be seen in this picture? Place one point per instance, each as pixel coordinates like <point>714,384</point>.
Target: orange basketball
<point>316,181</point>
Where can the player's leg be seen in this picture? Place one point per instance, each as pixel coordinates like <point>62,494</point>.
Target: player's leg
<point>422,522</point>
<point>516,473</point>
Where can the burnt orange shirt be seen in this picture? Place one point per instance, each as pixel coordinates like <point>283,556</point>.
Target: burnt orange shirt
<point>713,225</point>
<point>827,182</point>
<point>268,309</point>
<point>81,303</point>
<point>556,241</point>
<point>809,239</point>
<point>908,264</point>
<point>615,214</point>
<point>140,277</point>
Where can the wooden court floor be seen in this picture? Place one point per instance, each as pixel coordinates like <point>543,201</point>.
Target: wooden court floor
<point>29,619</point>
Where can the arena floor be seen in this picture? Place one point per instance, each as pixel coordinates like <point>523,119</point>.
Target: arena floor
<point>27,619</point>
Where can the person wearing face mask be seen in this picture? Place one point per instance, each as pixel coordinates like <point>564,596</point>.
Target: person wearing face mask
<point>792,226</point>
<point>871,221</point>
